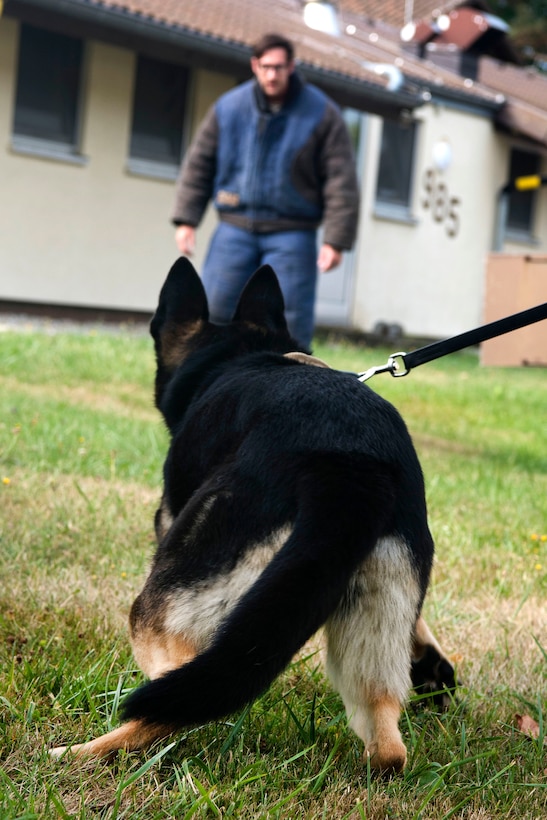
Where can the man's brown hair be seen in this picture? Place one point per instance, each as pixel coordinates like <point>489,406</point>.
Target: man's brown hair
<point>269,41</point>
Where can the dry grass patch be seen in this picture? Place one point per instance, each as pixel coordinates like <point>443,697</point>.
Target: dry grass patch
<point>128,400</point>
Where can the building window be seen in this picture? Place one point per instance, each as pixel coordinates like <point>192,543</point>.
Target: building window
<point>520,213</point>
<point>396,166</point>
<point>48,91</point>
<point>159,105</point>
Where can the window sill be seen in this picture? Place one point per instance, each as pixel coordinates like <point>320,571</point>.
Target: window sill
<point>45,149</point>
<point>520,237</point>
<point>153,170</point>
<point>394,213</point>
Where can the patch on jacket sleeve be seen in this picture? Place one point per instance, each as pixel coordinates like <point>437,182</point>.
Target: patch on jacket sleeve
<point>228,198</point>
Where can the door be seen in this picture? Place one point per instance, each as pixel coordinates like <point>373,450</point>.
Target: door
<point>335,289</point>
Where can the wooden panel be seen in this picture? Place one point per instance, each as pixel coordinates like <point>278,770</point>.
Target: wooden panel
<point>515,283</point>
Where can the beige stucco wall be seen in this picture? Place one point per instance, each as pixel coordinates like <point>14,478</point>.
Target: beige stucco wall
<point>93,234</point>
<point>415,274</point>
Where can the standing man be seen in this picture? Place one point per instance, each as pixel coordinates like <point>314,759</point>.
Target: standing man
<point>276,157</point>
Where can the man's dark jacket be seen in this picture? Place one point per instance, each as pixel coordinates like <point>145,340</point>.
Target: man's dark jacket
<point>273,170</point>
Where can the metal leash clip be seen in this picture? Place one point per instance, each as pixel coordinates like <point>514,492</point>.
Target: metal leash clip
<point>395,365</point>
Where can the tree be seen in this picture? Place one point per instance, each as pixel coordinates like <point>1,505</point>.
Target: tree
<point>528,22</point>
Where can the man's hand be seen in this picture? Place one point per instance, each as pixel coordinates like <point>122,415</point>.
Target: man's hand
<point>185,237</point>
<point>328,258</point>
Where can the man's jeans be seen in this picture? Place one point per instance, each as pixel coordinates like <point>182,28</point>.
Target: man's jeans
<point>235,254</point>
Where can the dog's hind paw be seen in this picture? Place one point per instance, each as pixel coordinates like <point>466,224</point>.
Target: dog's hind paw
<point>391,759</point>
<point>434,678</point>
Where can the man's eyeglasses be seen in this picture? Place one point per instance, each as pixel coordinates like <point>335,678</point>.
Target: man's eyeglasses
<point>276,69</point>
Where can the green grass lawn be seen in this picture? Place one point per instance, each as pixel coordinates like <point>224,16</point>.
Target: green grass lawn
<point>81,452</point>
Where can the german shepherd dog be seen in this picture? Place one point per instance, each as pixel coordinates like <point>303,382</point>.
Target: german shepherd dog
<point>293,499</point>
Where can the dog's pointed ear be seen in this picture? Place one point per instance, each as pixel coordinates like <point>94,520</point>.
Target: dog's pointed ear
<point>181,313</point>
<point>182,299</point>
<point>261,302</point>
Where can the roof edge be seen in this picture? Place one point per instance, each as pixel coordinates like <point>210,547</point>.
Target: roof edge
<point>382,100</point>
<point>129,22</point>
<point>462,97</point>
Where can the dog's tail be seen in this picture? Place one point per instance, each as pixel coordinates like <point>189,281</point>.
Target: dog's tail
<point>345,503</point>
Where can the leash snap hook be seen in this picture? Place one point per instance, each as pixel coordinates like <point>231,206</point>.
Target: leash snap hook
<point>395,365</point>
<point>398,364</point>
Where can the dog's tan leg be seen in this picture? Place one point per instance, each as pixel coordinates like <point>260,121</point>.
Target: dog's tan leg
<point>376,721</point>
<point>131,736</point>
<point>369,642</point>
<point>432,673</point>
<point>387,750</point>
<point>423,637</point>
<point>156,653</point>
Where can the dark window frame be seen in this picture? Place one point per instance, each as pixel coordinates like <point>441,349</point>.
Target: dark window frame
<point>49,94</point>
<point>159,117</point>
<point>396,170</point>
<point>522,205</point>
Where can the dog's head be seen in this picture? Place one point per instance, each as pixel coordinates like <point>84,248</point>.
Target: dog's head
<point>181,327</point>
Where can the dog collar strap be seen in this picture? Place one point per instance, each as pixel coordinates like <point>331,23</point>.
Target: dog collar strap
<point>305,358</point>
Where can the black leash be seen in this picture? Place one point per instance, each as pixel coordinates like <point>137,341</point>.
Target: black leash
<point>400,364</point>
